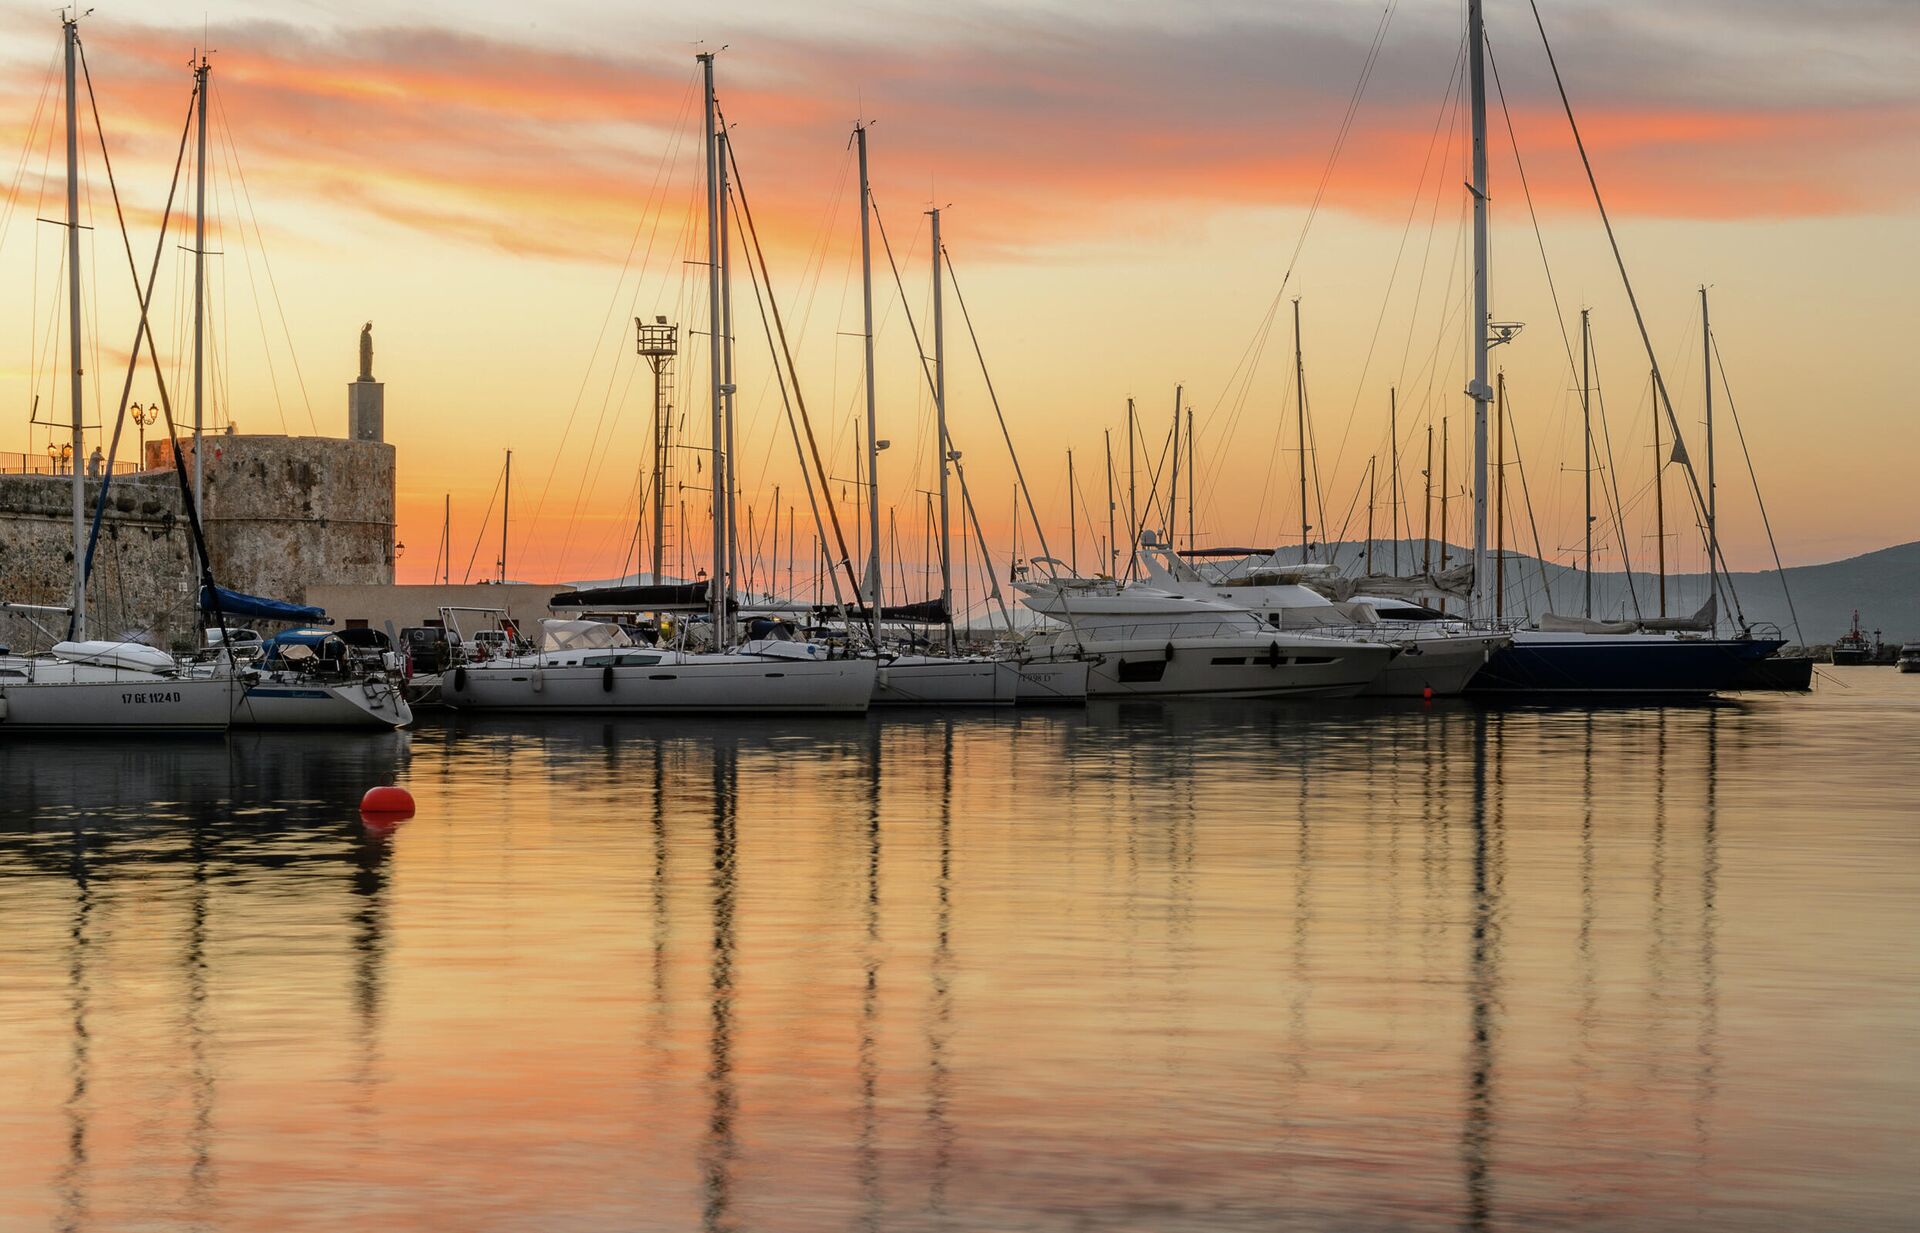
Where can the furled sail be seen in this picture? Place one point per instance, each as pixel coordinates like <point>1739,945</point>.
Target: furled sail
<point>645,598</point>
<point>257,607</point>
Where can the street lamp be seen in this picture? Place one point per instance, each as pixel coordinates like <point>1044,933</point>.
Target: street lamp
<point>143,416</point>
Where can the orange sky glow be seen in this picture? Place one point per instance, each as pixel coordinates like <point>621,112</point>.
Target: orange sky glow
<point>1123,198</point>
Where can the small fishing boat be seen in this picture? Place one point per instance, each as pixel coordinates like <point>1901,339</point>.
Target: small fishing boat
<point>1909,660</point>
<point>1854,647</point>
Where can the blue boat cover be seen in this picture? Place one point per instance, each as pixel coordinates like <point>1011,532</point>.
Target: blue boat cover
<point>315,638</point>
<point>234,604</point>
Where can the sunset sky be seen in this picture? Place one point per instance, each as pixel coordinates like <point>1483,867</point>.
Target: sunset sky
<point>502,188</point>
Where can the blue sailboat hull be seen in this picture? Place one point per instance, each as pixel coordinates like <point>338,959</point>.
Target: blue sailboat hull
<point>1571,664</point>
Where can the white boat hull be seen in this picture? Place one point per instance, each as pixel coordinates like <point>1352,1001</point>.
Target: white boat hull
<point>118,701</point>
<point>1234,667</point>
<point>931,680</point>
<point>1441,666</point>
<point>684,683</point>
<point>312,704</point>
<point>1044,682</point>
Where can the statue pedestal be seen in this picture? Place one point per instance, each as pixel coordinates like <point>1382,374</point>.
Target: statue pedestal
<point>366,410</point>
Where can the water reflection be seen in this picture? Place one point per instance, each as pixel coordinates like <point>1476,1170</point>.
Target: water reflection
<point>1215,966</point>
<point>720,1148</point>
<point>1483,973</point>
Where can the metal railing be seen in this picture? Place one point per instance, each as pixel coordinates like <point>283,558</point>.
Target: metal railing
<point>42,464</point>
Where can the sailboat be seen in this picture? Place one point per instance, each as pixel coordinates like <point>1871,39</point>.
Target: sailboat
<point>595,666</point>
<point>1579,656</point>
<point>912,678</point>
<point>96,685</point>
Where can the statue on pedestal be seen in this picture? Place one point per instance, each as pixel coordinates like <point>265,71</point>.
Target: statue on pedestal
<point>366,352</point>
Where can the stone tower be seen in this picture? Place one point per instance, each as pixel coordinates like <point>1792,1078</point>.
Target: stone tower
<point>366,398</point>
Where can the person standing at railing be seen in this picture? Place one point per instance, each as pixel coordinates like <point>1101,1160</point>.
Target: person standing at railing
<point>95,462</point>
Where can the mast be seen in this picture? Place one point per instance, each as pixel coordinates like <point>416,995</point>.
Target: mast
<point>1660,508</point>
<point>945,450</point>
<point>1370,462</point>
<point>1500,502</point>
<point>72,25</point>
<point>725,344</point>
<point>1073,523</point>
<point>1112,548</point>
<point>506,505</point>
<point>1133,508</point>
<point>1446,552</point>
<point>716,587</point>
<point>1426,507</point>
<point>1478,390</point>
<point>200,71</point>
<point>1713,526</point>
<point>1193,460</point>
<point>1300,401</point>
<point>1586,448</point>
<point>1173,480</point>
<point>1393,470</point>
<point>873,444</point>
<point>446,542</point>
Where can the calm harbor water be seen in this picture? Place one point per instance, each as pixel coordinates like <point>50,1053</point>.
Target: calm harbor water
<point>1160,967</point>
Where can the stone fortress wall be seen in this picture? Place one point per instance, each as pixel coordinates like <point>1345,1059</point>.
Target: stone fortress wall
<point>281,514</point>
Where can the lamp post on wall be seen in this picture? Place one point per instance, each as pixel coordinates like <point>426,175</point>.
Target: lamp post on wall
<point>143,416</point>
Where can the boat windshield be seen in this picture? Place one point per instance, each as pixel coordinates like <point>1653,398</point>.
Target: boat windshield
<point>581,636</point>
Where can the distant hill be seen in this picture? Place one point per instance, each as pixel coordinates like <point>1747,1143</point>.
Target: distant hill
<point>1883,585</point>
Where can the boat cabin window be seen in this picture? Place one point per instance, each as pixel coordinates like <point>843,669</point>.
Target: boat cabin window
<point>628,659</point>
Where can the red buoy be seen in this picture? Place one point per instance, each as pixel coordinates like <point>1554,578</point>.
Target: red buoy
<point>1427,693</point>
<point>387,803</point>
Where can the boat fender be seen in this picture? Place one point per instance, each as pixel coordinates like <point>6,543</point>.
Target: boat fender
<point>539,681</point>
<point>606,679</point>
<point>460,679</point>
<point>1169,652</point>
<point>1273,654</point>
<point>3,708</point>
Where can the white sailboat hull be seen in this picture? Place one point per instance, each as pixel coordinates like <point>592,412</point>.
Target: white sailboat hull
<point>1442,664</point>
<point>1044,682</point>
<point>932,680</point>
<point>334,704</point>
<point>73,698</point>
<point>680,683</point>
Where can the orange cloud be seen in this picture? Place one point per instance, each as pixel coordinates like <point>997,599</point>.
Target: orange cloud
<point>550,152</point>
